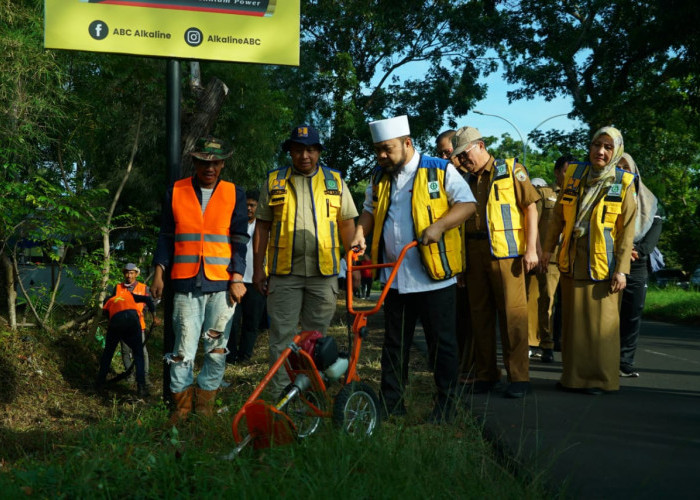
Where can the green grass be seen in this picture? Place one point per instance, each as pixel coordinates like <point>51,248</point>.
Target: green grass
<point>673,305</point>
<point>129,456</point>
<point>59,439</point>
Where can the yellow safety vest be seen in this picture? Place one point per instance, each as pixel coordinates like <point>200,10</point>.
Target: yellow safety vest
<point>327,192</point>
<point>505,220</point>
<point>429,203</point>
<point>603,222</point>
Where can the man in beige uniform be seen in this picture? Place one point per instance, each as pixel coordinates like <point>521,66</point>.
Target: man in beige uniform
<point>465,340</point>
<point>304,212</point>
<point>539,299</point>
<point>496,283</point>
<point>544,325</point>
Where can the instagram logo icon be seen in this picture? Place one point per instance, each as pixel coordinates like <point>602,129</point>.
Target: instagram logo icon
<point>193,37</point>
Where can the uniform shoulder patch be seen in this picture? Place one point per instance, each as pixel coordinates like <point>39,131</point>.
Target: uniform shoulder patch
<point>520,175</point>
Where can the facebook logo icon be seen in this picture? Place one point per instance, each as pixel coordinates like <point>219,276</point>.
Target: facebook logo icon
<point>98,30</point>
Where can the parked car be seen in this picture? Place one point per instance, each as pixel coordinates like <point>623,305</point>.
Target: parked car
<point>671,277</point>
<point>695,278</point>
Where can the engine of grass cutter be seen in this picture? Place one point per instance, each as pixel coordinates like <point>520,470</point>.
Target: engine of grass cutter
<point>330,364</point>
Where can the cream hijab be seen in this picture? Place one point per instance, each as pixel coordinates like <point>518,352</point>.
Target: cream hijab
<point>598,180</point>
<point>647,204</point>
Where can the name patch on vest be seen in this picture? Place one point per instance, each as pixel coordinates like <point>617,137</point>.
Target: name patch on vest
<point>501,169</point>
<point>332,187</point>
<point>279,186</point>
<point>615,190</point>
<point>433,187</point>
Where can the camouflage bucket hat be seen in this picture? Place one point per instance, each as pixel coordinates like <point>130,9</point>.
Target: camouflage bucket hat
<point>211,149</point>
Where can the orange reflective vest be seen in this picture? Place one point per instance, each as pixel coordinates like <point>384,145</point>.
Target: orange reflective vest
<point>202,237</point>
<point>139,289</point>
<point>123,301</point>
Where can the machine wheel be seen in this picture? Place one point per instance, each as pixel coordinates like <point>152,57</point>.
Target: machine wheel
<point>303,417</point>
<point>356,409</point>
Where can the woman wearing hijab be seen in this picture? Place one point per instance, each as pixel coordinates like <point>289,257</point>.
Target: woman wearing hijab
<point>594,216</point>
<point>647,228</point>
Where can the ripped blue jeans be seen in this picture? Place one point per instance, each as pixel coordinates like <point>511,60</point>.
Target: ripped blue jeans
<point>195,315</point>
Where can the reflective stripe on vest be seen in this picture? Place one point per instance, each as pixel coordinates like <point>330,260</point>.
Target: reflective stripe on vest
<point>139,289</point>
<point>602,229</point>
<point>505,220</point>
<point>429,203</point>
<point>326,187</point>
<point>123,301</point>
<point>202,237</point>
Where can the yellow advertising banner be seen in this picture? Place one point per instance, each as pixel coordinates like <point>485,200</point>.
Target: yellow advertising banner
<point>255,31</point>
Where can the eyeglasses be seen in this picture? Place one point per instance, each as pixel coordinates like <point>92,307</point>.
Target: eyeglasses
<point>467,150</point>
<point>445,153</point>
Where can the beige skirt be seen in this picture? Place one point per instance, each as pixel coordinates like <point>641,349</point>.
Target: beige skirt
<point>590,343</point>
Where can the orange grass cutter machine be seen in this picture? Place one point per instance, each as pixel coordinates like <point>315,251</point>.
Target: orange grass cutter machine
<point>313,363</point>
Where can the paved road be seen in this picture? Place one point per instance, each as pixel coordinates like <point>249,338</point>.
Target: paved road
<point>643,442</point>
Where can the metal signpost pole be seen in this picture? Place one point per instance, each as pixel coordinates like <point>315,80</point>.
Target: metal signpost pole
<point>173,161</point>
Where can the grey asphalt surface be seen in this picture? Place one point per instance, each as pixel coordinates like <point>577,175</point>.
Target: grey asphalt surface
<point>642,442</point>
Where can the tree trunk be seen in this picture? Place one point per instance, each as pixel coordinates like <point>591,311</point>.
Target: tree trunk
<point>107,228</point>
<point>10,291</point>
<point>55,284</point>
<point>30,304</point>
<point>208,105</point>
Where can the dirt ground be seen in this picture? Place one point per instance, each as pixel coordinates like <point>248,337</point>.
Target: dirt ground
<point>47,383</point>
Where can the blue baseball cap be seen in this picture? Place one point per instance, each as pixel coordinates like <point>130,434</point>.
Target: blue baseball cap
<point>303,134</point>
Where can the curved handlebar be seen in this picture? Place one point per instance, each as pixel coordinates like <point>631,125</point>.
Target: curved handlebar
<point>389,281</point>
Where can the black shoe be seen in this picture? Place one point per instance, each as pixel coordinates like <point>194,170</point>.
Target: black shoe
<point>483,386</point>
<point>628,371</point>
<point>443,413</point>
<point>547,356</point>
<point>535,352</point>
<point>561,387</point>
<point>142,391</point>
<point>397,410</point>
<point>517,390</point>
<point>591,391</point>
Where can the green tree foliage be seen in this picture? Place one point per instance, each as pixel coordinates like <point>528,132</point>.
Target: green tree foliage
<point>256,119</point>
<point>33,101</point>
<point>633,64</point>
<point>354,53</point>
